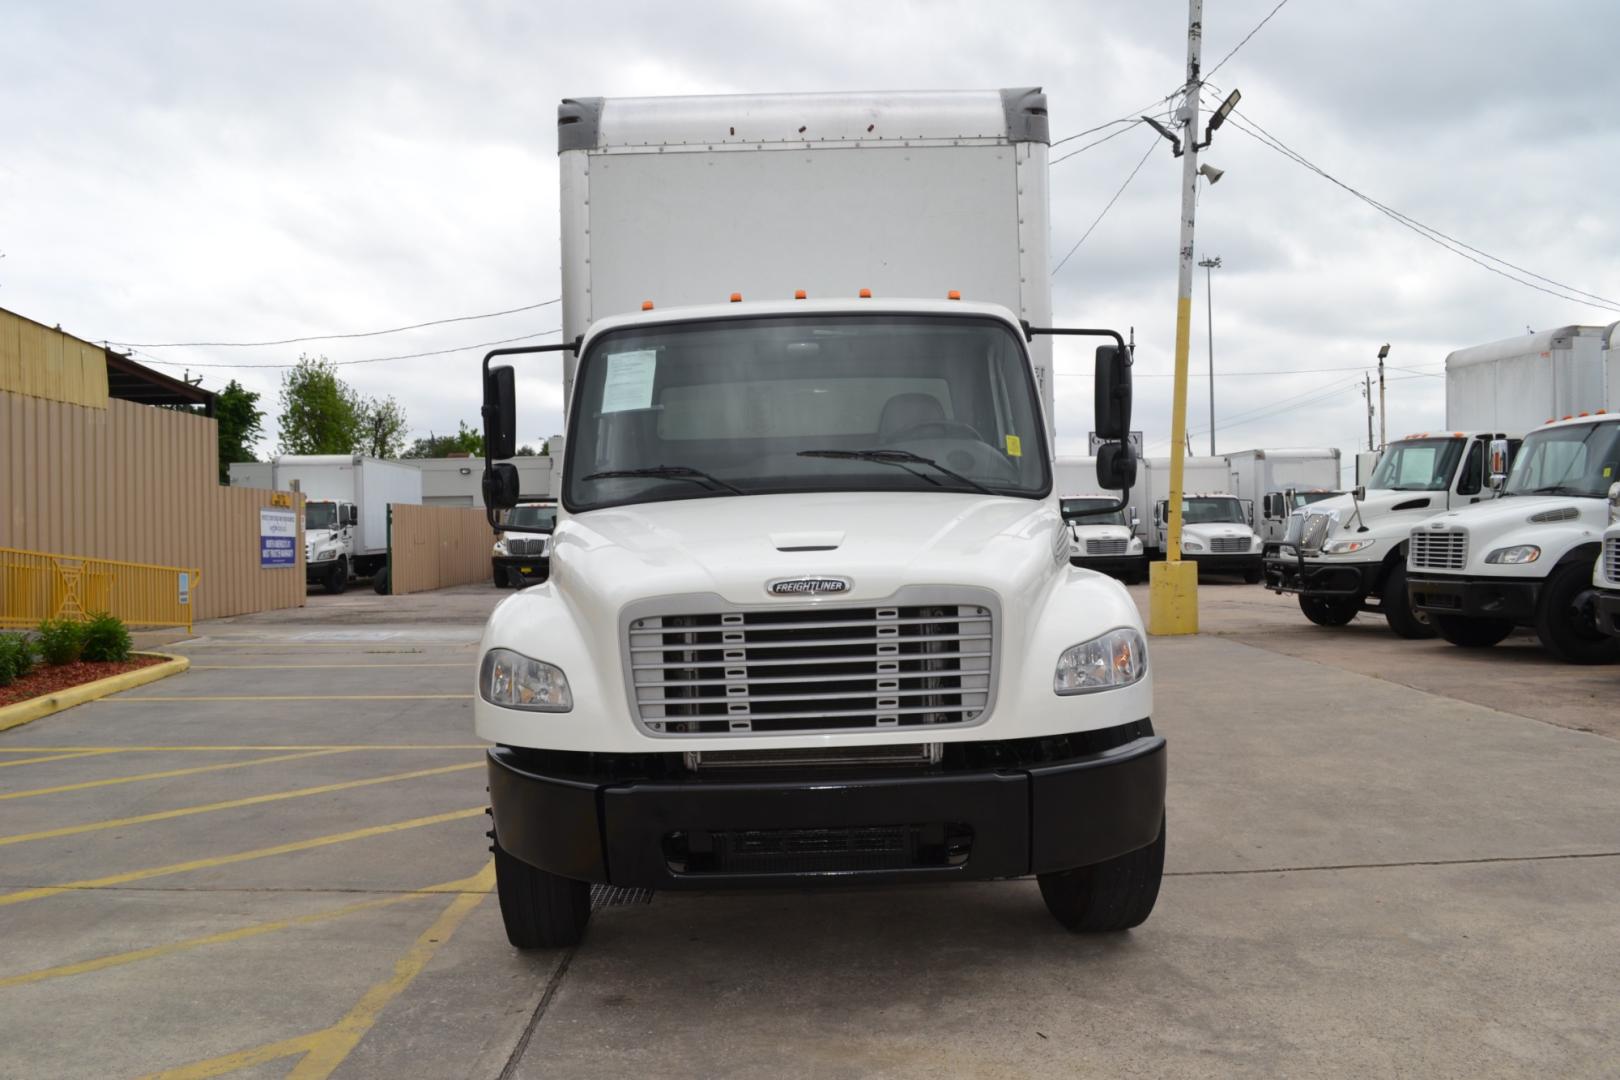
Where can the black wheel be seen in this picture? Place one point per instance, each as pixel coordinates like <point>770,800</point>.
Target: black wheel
<point>379,581</point>
<point>1329,610</point>
<point>540,910</point>
<point>338,579</point>
<point>1252,577</point>
<point>1113,895</point>
<point>1472,633</point>
<point>1396,602</point>
<point>500,576</point>
<point>1569,632</point>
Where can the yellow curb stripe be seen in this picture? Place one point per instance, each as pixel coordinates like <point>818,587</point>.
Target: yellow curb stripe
<point>321,646</point>
<point>468,663</point>
<point>241,1059</point>
<point>111,781</point>
<point>292,697</point>
<point>54,757</point>
<point>26,712</point>
<point>232,804</point>
<point>25,895</point>
<point>237,747</point>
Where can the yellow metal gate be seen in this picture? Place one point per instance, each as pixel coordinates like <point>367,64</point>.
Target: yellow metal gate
<point>35,585</point>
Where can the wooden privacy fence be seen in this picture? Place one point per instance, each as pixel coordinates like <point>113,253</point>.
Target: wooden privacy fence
<point>35,586</point>
<point>434,547</point>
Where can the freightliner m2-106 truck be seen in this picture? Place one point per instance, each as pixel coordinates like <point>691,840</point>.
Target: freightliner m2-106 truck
<point>811,616</point>
<point>1347,555</point>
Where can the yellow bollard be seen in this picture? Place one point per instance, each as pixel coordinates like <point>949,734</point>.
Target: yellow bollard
<point>1172,598</point>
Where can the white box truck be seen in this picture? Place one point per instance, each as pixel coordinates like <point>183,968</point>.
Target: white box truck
<point>1278,482</point>
<point>1216,526</point>
<point>1102,534</point>
<point>1520,383</point>
<point>346,499</point>
<point>811,616</point>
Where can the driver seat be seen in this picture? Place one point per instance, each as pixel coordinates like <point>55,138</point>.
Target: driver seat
<point>905,411</point>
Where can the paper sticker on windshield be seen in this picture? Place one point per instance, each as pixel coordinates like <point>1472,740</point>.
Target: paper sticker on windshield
<point>1015,446</point>
<point>629,382</point>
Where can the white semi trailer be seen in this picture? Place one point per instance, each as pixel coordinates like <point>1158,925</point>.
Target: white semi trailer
<point>811,616</point>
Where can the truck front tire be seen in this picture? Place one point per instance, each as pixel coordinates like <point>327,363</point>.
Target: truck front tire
<point>1114,895</point>
<point>540,910</point>
<point>1566,631</point>
<point>338,579</point>
<point>1405,620</point>
<point>1472,633</point>
<point>1329,610</point>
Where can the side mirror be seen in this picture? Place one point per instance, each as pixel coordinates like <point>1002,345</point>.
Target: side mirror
<point>1248,510</point>
<point>1112,383</point>
<point>1116,462</point>
<point>500,417</point>
<point>1135,521</point>
<point>501,484</point>
<point>1499,463</point>
<point>351,515</point>
<point>1359,493</point>
<point>1614,502</point>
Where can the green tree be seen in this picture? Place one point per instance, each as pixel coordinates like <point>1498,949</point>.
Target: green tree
<point>528,451</point>
<point>320,413</point>
<point>465,441</point>
<point>382,428</point>
<point>240,425</point>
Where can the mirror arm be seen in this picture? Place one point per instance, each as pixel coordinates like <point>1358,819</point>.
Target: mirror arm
<point>1060,331</point>
<point>522,350</point>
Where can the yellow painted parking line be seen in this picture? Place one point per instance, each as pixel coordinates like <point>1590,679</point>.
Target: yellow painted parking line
<point>53,757</point>
<point>24,895</point>
<point>123,700</point>
<point>468,663</point>
<point>211,749</point>
<point>165,774</point>
<point>474,883</point>
<point>319,646</point>
<point>231,804</point>
<point>326,1049</point>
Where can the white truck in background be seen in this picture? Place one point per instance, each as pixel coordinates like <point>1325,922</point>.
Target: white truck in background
<point>1102,533</point>
<point>346,500</point>
<point>1278,482</point>
<point>1217,529</point>
<point>1348,555</point>
<point>521,558</point>
<point>811,617</point>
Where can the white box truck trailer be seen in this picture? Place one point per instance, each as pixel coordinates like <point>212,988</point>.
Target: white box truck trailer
<point>1278,482</point>
<point>346,500</point>
<point>811,616</point>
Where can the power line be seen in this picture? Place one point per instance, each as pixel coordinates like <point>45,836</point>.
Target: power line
<point>1132,117</point>
<point>1246,38</point>
<point>350,363</point>
<point>1111,202</point>
<point>1098,142</point>
<point>325,337</point>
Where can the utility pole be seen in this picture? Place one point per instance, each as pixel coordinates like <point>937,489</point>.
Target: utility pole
<point>1382,440</point>
<point>1366,392</point>
<point>1209,266</point>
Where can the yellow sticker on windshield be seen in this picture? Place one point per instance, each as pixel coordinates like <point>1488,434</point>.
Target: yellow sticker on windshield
<point>1015,447</point>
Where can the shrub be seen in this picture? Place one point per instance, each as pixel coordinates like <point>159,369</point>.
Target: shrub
<point>16,657</point>
<point>61,641</point>
<point>105,638</point>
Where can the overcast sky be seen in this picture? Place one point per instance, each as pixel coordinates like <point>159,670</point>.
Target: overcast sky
<point>230,172</point>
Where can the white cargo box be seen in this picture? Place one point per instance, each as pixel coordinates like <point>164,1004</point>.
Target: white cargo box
<point>1518,384</point>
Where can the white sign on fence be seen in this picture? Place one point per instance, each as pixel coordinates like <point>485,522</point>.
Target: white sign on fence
<point>278,537</point>
<point>185,587</point>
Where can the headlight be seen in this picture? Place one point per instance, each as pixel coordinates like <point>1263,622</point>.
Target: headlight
<point>1513,556</point>
<point>1345,547</point>
<point>1254,543</point>
<point>1133,546</point>
<point>327,555</point>
<point>1117,658</point>
<point>1191,545</point>
<point>499,548</point>
<point>517,682</point>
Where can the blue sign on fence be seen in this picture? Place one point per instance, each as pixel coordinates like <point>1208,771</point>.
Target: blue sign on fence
<point>278,537</point>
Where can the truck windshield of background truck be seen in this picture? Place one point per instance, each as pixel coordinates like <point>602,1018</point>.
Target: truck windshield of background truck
<point>1072,507</point>
<point>1417,465</point>
<point>1305,498</point>
<point>1580,460</point>
<point>723,406</point>
<point>1212,511</point>
<point>320,515</point>
<point>543,518</point>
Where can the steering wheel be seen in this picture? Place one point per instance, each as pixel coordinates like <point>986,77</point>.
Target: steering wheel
<point>936,429</point>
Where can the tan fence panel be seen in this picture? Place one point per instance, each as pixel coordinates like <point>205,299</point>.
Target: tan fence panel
<point>137,484</point>
<point>434,547</point>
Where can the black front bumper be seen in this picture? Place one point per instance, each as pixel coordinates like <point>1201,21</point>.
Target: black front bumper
<point>706,831</point>
<point>1122,565</point>
<point>1608,611</point>
<point>1476,598</point>
<point>1211,563</point>
<point>528,567</point>
<point>1317,577</point>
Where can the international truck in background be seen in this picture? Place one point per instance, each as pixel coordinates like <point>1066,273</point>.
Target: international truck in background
<point>346,499</point>
<point>1348,555</point>
<point>1278,482</point>
<point>518,559</point>
<point>1102,533</point>
<point>811,616</point>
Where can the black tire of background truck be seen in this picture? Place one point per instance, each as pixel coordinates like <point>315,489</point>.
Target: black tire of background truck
<point>338,579</point>
<point>1110,896</point>
<point>1570,634</point>
<point>500,575</point>
<point>1329,610</point>
<point>1252,577</point>
<point>1396,604</point>
<point>540,910</point>
<point>379,581</point>
<point>1471,633</point>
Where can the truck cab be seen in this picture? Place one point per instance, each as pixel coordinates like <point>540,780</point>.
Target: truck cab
<point>1215,534</point>
<point>1526,559</point>
<point>520,558</point>
<point>1347,554</point>
<point>1102,537</point>
<point>329,543</point>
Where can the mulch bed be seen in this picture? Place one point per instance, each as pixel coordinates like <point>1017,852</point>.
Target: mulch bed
<point>49,678</point>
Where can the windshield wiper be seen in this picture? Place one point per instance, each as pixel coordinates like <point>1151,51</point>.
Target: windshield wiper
<point>668,472</point>
<point>900,459</point>
<point>1554,489</point>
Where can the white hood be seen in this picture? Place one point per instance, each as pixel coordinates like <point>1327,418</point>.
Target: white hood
<point>1217,530</point>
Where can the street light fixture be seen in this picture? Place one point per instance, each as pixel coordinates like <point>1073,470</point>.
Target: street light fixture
<point>1209,266</point>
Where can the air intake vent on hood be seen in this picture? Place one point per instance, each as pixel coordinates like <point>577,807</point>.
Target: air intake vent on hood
<point>1411,504</point>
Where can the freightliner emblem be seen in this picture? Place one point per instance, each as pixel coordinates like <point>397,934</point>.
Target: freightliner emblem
<point>807,586</point>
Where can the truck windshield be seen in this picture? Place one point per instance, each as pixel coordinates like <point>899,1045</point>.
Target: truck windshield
<point>533,517</point>
<point>1212,511</point>
<point>320,515</point>
<point>1072,507</point>
<point>713,408</point>
<point>1305,498</point>
<point>1418,465</point>
<point>1581,460</point>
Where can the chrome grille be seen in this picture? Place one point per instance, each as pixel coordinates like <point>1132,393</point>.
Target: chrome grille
<point>1611,560</point>
<point>1105,547</point>
<point>526,545</point>
<point>1313,531</point>
<point>1438,549</point>
<point>811,668</point>
<point>1229,545</point>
